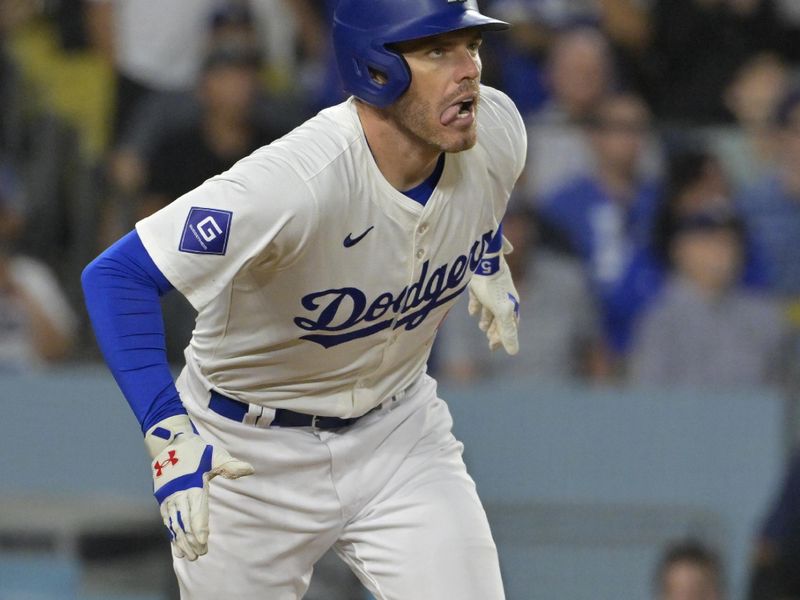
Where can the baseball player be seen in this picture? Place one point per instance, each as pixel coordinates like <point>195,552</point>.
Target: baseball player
<point>321,267</point>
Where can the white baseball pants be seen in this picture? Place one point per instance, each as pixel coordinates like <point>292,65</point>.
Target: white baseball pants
<point>390,494</point>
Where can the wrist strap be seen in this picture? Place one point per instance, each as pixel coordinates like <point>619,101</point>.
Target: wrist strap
<point>163,433</point>
<point>489,265</point>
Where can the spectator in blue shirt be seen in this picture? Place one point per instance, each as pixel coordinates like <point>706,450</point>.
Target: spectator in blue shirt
<point>608,215</point>
<point>579,75</point>
<point>697,183</point>
<point>771,206</point>
<point>520,58</point>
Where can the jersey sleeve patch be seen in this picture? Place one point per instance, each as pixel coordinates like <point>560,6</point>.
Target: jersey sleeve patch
<point>206,231</point>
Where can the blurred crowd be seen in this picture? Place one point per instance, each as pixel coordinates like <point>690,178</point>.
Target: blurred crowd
<point>655,226</point>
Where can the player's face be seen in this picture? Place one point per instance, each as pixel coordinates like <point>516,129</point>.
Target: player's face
<point>441,104</point>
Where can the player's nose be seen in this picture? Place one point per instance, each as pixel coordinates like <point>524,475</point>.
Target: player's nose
<point>469,65</point>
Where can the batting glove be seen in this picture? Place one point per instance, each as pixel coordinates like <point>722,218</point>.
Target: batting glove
<point>183,464</point>
<point>493,295</point>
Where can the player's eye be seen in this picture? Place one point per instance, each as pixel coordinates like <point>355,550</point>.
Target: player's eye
<point>436,52</point>
<point>475,46</point>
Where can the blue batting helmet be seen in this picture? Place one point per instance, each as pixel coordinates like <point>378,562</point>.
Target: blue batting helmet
<point>362,30</point>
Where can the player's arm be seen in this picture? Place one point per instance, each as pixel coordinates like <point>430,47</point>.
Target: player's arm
<point>493,295</point>
<point>491,289</point>
<point>122,289</point>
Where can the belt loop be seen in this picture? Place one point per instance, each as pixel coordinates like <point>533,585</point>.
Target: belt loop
<point>252,415</point>
<point>262,416</point>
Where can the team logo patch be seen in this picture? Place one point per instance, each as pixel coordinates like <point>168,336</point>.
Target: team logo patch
<point>206,231</point>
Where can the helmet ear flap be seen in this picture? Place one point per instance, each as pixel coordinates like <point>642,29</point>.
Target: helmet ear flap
<point>377,76</point>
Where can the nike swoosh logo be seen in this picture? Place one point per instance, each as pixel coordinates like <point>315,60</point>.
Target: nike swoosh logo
<point>350,241</point>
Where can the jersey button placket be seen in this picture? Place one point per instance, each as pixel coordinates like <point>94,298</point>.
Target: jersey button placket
<point>422,228</point>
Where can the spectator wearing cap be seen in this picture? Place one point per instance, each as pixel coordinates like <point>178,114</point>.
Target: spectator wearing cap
<point>706,330</point>
<point>229,127</point>
<point>771,206</point>
<point>157,47</point>
<point>696,182</point>
<point>159,50</point>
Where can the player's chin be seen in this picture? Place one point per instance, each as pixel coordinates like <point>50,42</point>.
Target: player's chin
<point>458,143</point>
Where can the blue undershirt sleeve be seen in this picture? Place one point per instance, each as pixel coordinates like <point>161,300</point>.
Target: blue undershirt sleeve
<point>497,241</point>
<point>122,287</point>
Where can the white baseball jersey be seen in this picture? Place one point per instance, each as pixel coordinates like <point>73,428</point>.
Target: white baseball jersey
<point>319,286</point>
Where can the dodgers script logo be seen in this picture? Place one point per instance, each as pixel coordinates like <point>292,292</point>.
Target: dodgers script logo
<point>342,309</point>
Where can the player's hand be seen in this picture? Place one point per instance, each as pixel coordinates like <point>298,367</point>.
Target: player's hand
<point>183,464</point>
<point>495,298</point>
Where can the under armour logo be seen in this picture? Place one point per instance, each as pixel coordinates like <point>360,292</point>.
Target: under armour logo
<point>160,466</point>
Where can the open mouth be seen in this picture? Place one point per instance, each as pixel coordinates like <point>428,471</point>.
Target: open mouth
<point>463,110</point>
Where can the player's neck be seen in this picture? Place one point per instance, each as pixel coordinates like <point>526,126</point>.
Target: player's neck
<point>403,159</point>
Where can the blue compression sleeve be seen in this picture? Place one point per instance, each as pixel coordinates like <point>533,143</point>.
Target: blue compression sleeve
<point>122,288</point>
